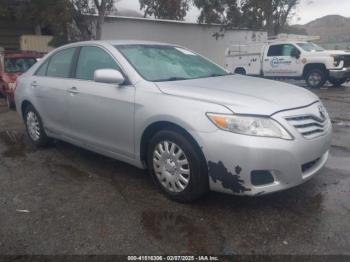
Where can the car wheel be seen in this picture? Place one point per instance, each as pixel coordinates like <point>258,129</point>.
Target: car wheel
<point>337,82</point>
<point>316,78</point>
<point>177,167</point>
<point>34,126</point>
<point>9,103</point>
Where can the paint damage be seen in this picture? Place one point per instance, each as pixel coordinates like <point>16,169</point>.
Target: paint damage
<point>218,172</point>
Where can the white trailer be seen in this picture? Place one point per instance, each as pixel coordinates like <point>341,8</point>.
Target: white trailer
<point>244,59</point>
<point>208,40</point>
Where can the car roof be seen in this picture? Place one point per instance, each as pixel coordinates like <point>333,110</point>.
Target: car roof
<point>120,42</point>
<point>135,42</point>
<point>280,42</point>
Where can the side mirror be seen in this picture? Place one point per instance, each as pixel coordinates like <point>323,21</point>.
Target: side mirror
<point>295,53</point>
<point>109,76</point>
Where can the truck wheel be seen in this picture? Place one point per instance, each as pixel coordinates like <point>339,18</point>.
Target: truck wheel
<point>316,78</point>
<point>177,167</point>
<point>9,103</point>
<point>240,71</point>
<point>337,82</point>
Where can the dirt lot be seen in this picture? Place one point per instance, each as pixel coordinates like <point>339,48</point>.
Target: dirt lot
<point>65,200</point>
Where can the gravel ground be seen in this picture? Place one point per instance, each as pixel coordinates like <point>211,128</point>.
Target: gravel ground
<point>66,200</point>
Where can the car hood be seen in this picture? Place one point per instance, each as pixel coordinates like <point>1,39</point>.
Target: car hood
<point>242,94</point>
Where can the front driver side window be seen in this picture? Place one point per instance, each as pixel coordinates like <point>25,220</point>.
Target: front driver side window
<point>92,58</point>
<point>43,68</point>
<point>288,50</point>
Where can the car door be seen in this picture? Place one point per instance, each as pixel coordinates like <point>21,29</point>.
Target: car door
<point>101,115</point>
<point>278,61</point>
<point>1,75</point>
<point>49,86</point>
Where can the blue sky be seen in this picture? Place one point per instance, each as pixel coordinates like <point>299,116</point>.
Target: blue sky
<point>307,11</point>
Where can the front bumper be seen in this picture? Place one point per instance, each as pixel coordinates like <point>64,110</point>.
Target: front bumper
<point>340,73</point>
<point>233,158</point>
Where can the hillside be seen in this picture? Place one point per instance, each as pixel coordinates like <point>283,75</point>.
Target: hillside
<point>331,29</point>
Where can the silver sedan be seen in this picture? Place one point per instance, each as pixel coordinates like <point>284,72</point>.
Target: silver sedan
<point>191,123</point>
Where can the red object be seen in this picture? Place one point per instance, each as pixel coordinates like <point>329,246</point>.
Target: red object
<point>12,65</point>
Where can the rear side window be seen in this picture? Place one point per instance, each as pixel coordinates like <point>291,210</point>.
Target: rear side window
<point>43,68</point>
<point>92,58</point>
<point>60,63</point>
<point>281,50</point>
<point>275,50</point>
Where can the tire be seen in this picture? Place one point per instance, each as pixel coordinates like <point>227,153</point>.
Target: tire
<point>34,127</point>
<point>165,170</point>
<point>9,103</point>
<point>337,82</point>
<point>316,78</point>
<point>240,71</point>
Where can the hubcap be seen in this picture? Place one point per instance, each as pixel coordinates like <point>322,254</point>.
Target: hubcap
<point>315,79</point>
<point>171,166</point>
<point>33,126</point>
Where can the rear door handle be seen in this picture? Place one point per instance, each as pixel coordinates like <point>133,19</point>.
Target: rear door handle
<point>73,90</point>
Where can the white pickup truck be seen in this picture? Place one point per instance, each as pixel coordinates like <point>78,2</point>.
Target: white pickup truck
<point>298,60</point>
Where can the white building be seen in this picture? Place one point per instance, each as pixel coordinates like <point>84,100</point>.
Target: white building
<point>207,40</point>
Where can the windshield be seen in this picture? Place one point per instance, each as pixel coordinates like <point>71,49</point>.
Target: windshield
<point>158,63</point>
<point>311,47</point>
<point>18,64</point>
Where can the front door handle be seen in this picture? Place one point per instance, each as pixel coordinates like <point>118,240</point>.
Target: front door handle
<point>34,84</point>
<point>73,90</point>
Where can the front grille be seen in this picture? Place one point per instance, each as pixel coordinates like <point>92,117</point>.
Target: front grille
<point>346,60</point>
<point>309,126</point>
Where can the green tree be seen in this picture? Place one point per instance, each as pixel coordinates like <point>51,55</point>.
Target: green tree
<point>212,11</point>
<point>165,9</point>
<point>53,14</point>
<point>225,12</point>
<point>4,8</point>
<point>103,7</point>
<point>81,12</point>
<point>272,15</point>
<point>81,26</point>
<point>68,20</point>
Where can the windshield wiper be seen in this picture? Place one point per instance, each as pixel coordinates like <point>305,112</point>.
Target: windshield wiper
<point>184,78</point>
<point>217,75</point>
<point>172,79</point>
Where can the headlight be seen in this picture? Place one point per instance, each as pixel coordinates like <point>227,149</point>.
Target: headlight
<point>337,60</point>
<point>250,125</point>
